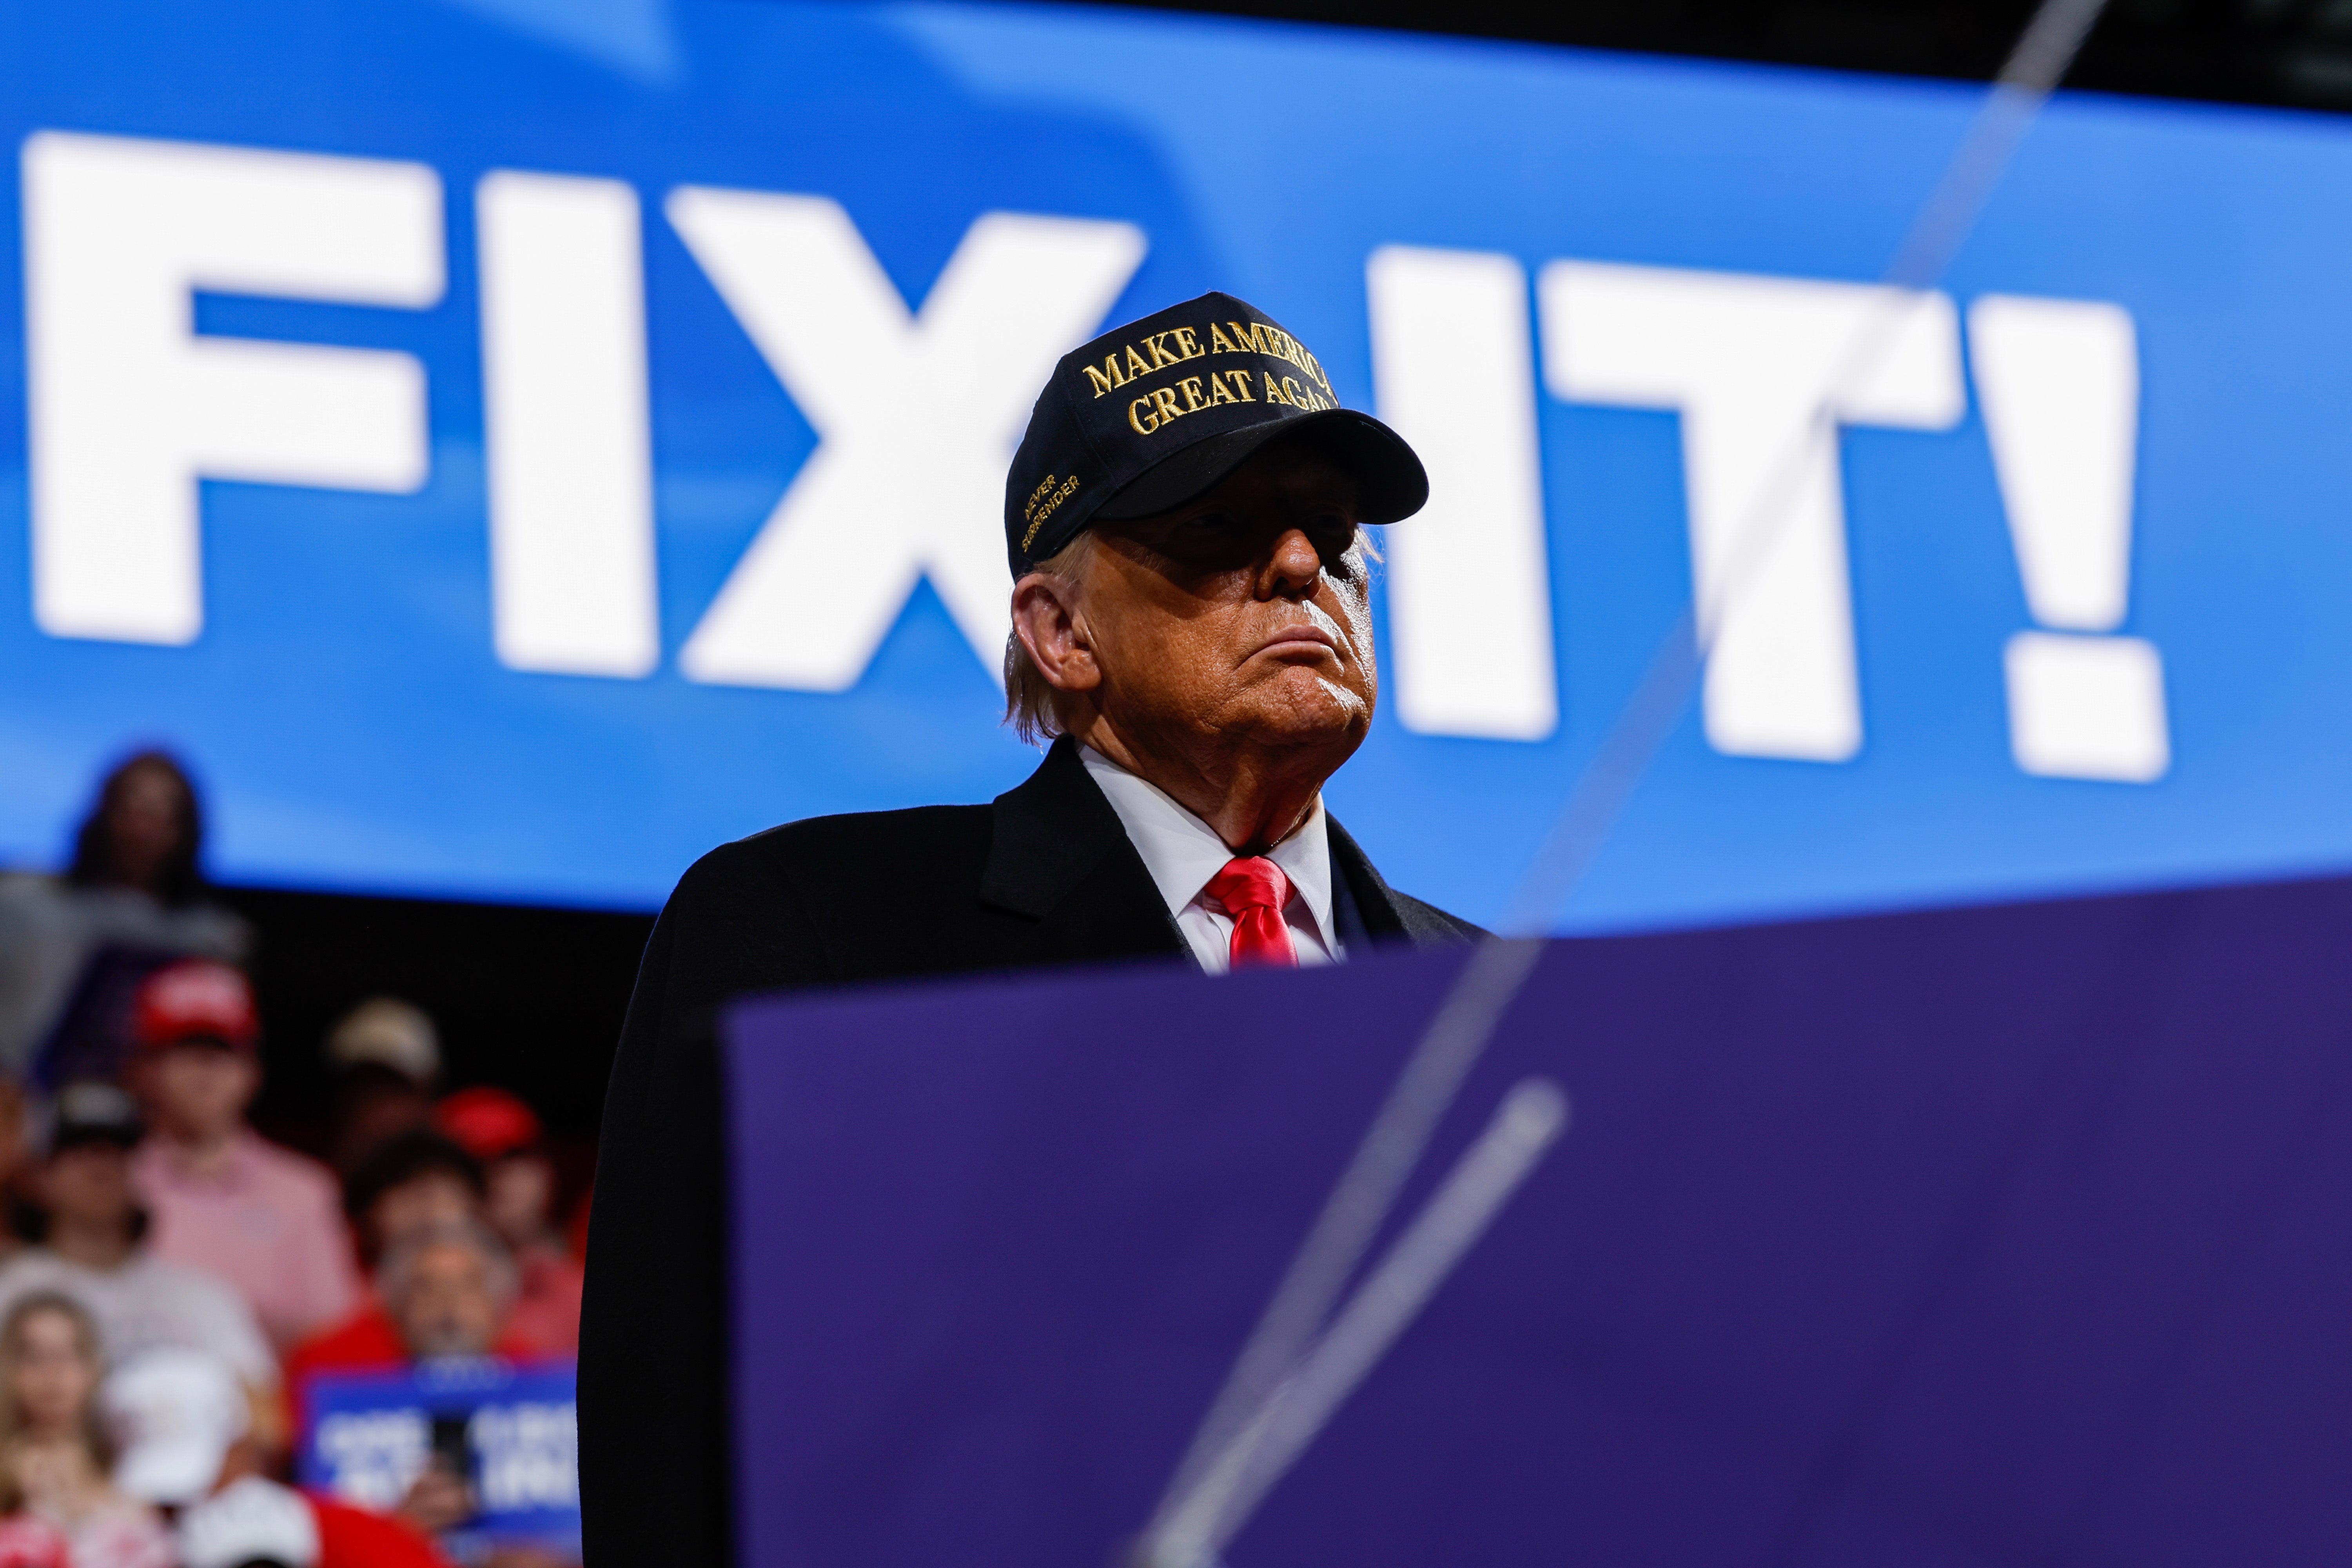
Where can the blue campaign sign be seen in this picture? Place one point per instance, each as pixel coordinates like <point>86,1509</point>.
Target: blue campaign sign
<point>371,1434</point>
<point>511,446</point>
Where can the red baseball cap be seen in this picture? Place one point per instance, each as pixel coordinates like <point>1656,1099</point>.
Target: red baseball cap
<point>489,1123</point>
<point>196,999</point>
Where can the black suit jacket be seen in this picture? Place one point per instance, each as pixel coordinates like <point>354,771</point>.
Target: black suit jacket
<point>1043,875</point>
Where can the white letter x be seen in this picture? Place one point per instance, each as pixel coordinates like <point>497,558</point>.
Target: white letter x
<point>918,416</point>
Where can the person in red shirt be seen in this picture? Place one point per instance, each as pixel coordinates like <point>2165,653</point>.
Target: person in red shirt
<point>417,1182</point>
<point>446,1289</point>
<point>447,1292</point>
<point>504,1134</point>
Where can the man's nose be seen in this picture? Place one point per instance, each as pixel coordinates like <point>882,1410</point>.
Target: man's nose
<point>1293,569</point>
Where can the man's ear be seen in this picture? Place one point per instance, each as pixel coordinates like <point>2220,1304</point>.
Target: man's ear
<point>1047,619</point>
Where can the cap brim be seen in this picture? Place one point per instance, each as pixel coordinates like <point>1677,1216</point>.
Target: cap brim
<point>214,1038</point>
<point>80,1136</point>
<point>1391,483</point>
<point>175,1469</point>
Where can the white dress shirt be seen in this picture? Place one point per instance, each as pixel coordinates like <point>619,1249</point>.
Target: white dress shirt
<point>1182,852</point>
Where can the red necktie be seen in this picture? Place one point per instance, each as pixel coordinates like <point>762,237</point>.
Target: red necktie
<point>1253,889</point>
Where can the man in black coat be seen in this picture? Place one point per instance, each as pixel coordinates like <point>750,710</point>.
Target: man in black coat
<point>1191,627</point>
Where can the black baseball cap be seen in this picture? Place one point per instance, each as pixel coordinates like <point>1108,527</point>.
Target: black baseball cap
<point>1150,415</point>
<point>93,1111</point>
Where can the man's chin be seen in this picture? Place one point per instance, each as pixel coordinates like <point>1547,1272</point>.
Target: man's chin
<point>1310,713</point>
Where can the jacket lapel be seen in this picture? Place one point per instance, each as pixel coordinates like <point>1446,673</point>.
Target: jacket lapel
<point>1059,856</point>
<point>1385,916</point>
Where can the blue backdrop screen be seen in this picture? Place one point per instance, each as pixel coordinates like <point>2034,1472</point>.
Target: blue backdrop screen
<point>510,446</point>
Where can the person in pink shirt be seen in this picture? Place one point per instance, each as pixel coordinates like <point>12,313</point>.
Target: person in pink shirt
<point>218,1197</point>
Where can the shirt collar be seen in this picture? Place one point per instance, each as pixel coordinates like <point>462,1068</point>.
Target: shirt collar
<point>1182,852</point>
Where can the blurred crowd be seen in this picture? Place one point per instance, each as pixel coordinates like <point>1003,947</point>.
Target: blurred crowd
<point>173,1285</point>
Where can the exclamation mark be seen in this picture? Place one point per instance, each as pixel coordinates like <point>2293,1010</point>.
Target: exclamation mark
<point>2059,383</point>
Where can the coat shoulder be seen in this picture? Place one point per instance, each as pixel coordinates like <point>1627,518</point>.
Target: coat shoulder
<point>1425,922</point>
<point>1387,913</point>
<point>822,856</point>
<point>832,898</point>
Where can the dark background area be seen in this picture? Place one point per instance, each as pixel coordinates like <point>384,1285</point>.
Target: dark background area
<point>527,999</point>
<point>531,999</point>
<point>2288,52</point>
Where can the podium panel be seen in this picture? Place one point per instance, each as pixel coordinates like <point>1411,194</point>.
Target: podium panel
<point>1990,1236</point>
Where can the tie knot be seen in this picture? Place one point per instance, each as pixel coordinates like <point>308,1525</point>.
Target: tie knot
<point>1249,882</point>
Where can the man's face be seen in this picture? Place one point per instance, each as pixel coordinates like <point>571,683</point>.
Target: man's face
<point>427,1198</point>
<point>1241,613</point>
<point>449,1307</point>
<point>198,1092</point>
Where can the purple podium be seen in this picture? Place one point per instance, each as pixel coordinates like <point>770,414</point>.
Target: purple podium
<point>2002,1236</point>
